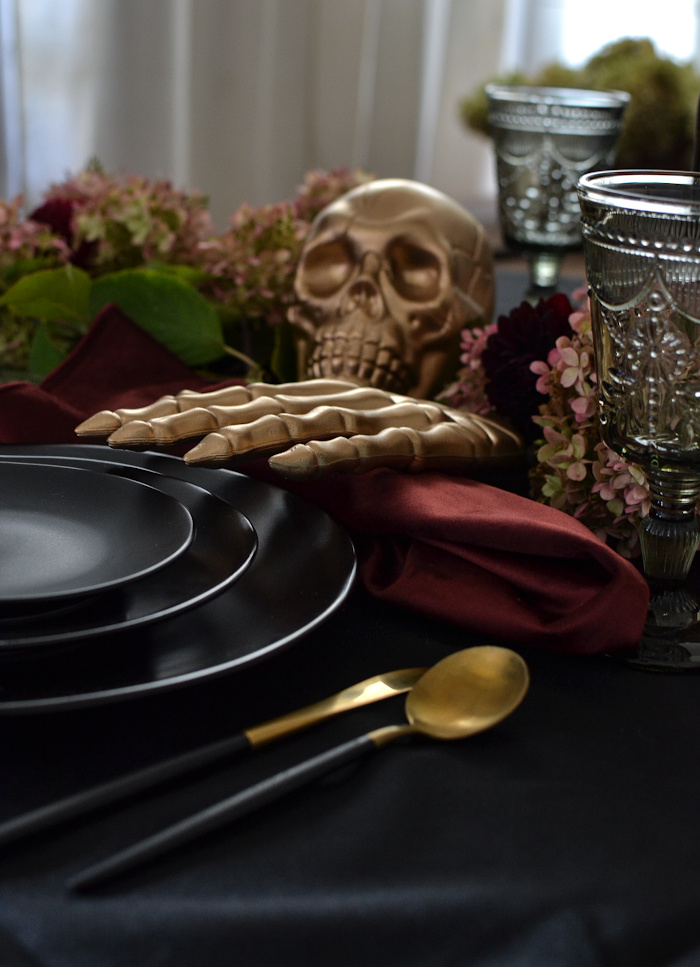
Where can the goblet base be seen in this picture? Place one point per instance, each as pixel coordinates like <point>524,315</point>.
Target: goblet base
<point>544,263</point>
<point>671,638</point>
<point>669,536</point>
<point>544,272</point>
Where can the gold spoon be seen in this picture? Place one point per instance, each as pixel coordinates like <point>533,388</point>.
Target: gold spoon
<point>463,694</point>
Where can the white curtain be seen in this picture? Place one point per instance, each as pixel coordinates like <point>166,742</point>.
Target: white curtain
<point>238,98</point>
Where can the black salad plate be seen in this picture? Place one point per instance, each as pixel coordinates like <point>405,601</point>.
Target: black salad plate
<point>301,572</point>
<point>66,532</point>
<point>222,545</point>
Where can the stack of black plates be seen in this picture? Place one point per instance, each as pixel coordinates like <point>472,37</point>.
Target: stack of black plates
<point>126,573</point>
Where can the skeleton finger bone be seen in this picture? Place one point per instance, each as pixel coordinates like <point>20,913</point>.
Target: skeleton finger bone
<point>105,422</point>
<point>444,446</point>
<point>300,397</point>
<point>275,432</point>
<point>198,421</point>
<point>492,439</point>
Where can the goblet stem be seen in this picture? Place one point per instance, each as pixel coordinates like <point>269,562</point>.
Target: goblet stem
<point>669,538</point>
<point>669,535</point>
<point>544,274</point>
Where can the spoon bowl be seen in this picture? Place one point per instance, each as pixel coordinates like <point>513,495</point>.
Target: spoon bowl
<point>467,692</point>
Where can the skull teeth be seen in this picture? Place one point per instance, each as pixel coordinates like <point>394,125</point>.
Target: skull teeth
<point>369,361</point>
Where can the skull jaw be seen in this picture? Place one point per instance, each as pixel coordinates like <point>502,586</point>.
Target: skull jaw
<point>370,352</point>
<point>336,353</point>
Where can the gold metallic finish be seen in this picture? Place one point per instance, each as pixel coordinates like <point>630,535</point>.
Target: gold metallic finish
<point>463,694</point>
<point>367,428</point>
<point>363,693</point>
<point>467,692</point>
<point>389,275</point>
<point>389,733</point>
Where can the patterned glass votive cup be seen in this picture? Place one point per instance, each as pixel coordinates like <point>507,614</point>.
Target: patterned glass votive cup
<point>544,139</point>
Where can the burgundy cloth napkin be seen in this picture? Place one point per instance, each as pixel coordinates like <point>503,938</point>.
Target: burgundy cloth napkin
<point>494,562</point>
<point>115,364</point>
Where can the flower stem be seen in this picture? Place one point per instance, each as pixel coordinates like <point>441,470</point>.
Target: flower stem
<point>255,370</point>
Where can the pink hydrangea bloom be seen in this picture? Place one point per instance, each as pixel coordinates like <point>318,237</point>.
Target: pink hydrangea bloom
<point>575,471</point>
<point>111,223</point>
<point>468,392</point>
<point>103,223</point>
<point>251,266</point>
<point>23,238</point>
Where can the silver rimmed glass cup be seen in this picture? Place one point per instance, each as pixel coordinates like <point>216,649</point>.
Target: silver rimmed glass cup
<point>641,236</point>
<point>544,139</point>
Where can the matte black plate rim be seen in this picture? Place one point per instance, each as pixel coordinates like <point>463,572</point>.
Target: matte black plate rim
<point>199,546</point>
<point>317,612</point>
<point>122,497</point>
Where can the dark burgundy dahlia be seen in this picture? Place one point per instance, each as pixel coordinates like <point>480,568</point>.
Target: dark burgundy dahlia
<point>57,213</point>
<point>526,334</point>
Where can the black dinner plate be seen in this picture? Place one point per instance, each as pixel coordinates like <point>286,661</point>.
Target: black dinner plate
<point>66,532</point>
<point>302,571</point>
<point>222,546</point>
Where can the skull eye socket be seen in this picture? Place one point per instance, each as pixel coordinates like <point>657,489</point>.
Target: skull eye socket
<point>326,268</point>
<point>415,271</point>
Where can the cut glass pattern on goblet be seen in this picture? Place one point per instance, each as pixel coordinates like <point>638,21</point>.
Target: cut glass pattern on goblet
<point>641,233</point>
<point>544,140</point>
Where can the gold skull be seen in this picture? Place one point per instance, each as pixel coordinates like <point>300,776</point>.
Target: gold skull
<point>388,277</point>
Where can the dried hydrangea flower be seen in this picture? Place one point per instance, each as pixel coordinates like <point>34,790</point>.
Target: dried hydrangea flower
<point>112,223</point>
<point>535,367</point>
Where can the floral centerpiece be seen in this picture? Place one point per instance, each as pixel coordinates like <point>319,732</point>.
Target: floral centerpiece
<point>217,300</point>
<point>534,368</point>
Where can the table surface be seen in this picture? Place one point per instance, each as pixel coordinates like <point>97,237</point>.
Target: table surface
<point>564,836</point>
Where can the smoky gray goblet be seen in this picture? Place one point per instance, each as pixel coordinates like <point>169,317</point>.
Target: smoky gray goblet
<point>641,238</point>
<point>544,139</point>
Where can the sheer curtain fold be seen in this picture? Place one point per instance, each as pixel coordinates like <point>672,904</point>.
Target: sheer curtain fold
<point>238,98</point>
<point>12,129</point>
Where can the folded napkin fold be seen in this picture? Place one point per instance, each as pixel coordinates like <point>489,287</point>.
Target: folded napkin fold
<point>115,360</point>
<point>489,560</point>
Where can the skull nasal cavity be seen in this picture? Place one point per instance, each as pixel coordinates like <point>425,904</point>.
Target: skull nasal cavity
<point>364,294</point>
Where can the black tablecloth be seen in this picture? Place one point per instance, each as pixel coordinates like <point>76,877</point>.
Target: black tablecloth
<point>565,837</point>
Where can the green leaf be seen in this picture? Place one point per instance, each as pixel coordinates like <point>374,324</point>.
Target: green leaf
<point>188,273</point>
<point>11,273</point>
<point>43,354</point>
<point>50,295</point>
<point>172,311</point>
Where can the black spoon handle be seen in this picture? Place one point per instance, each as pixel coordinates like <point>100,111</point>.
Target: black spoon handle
<point>116,790</point>
<point>222,813</point>
<point>82,803</point>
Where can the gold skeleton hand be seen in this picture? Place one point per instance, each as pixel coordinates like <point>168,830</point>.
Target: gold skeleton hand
<point>310,428</point>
